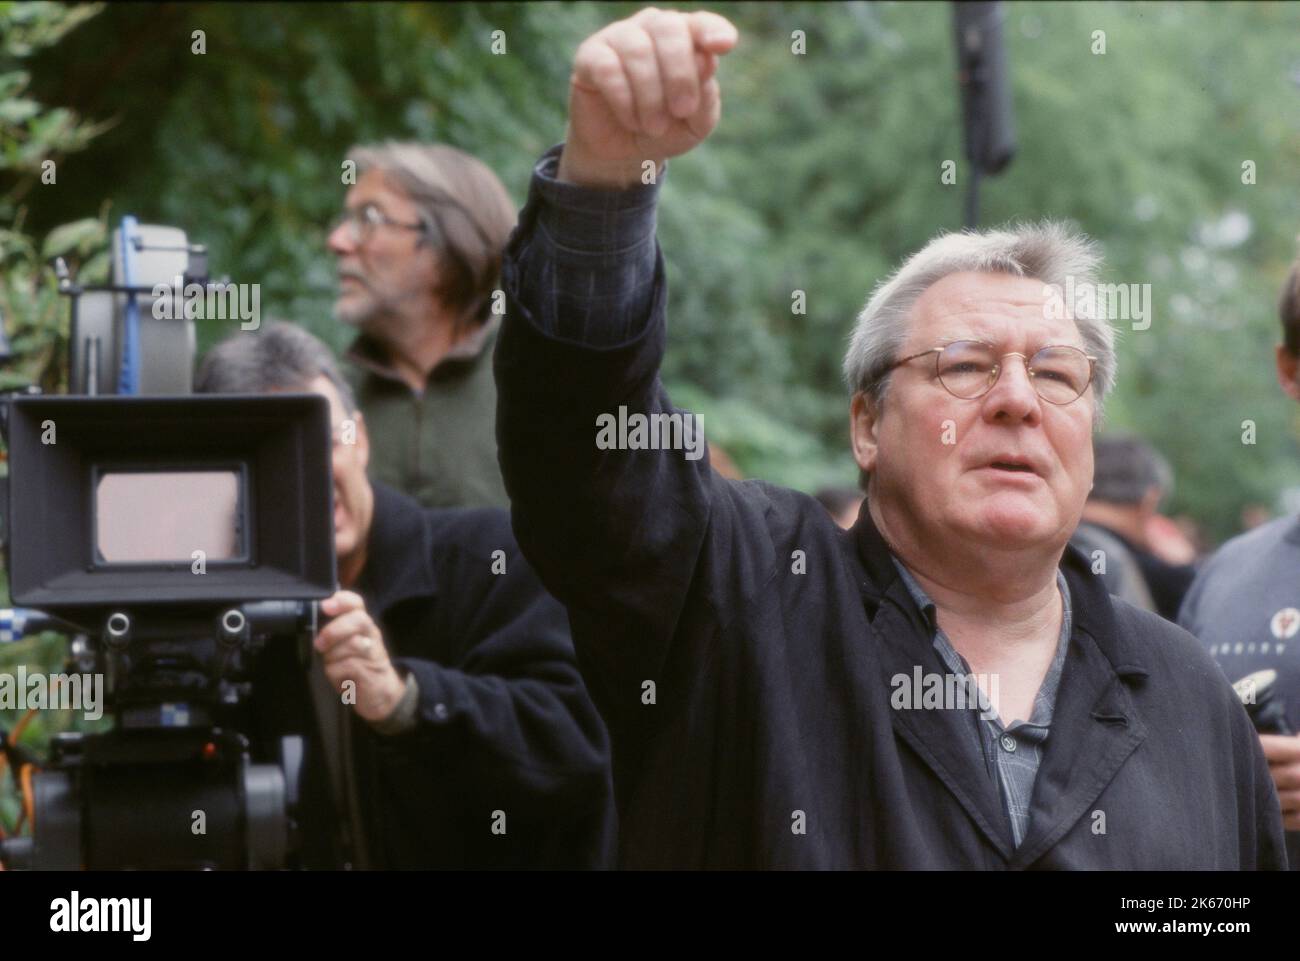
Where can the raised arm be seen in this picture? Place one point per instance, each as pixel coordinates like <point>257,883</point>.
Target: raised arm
<point>614,533</point>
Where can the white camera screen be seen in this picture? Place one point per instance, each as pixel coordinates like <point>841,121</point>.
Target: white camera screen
<point>144,517</point>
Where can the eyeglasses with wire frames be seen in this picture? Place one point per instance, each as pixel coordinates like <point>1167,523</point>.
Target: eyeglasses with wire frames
<point>968,369</point>
<point>362,222</point>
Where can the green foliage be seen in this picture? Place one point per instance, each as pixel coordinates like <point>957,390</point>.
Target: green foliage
<point>30,135</point>
<point>30,132</point>
<point>43,653</point>
<point>36,316</point>
<point>823,174</point>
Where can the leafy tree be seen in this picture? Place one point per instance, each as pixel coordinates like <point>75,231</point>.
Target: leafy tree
<point>823,174</point>
<point>34,139</point>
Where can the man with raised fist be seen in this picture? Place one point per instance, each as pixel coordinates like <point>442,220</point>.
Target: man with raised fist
<point>942,686</point>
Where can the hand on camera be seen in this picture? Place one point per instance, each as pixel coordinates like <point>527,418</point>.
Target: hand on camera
<point>352,649</point>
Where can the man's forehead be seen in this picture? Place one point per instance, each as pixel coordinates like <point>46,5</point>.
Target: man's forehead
<point>990,306</point>
<point>373,187</point>
<point>971,290</point>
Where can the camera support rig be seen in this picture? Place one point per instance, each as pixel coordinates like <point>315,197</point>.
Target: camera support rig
<point>181,536</point>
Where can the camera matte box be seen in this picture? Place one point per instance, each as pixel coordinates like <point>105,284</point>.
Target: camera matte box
<point>277,448</point>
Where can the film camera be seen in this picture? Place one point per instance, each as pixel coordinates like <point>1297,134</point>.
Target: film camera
<point>179,538</point>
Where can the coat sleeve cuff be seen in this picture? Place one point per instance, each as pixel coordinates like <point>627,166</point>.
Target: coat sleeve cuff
<point>403,716</point>
<point>591,223</point>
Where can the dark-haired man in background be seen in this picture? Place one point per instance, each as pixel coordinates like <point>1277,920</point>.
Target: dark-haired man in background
<point>1130,479</point>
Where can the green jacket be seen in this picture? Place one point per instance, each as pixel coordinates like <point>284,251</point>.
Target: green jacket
<point>439,446</point>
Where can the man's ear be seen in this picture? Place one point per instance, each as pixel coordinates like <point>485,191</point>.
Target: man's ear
<point>363,438</point>
<point>1288,365</point>
<point>863,423</point>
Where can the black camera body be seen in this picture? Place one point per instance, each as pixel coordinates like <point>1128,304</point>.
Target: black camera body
<point>180,535</point>
<point>183,542</point>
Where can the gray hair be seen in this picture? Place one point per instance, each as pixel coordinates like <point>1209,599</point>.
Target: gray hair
<point>281,356</point>
<point>1048,251</point>
<point>1126,468</point>
<point>465,210</point>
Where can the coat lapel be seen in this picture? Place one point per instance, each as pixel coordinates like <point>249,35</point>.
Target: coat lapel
<point>1095,728</point>
<point>1095,725</point>
<point>946,741</point>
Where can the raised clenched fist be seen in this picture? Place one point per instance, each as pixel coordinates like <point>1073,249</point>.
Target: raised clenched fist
<point>643,89</point>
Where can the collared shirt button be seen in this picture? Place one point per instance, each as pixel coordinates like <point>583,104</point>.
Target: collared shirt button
<point>440,711</point>
<point>1008,743</point>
